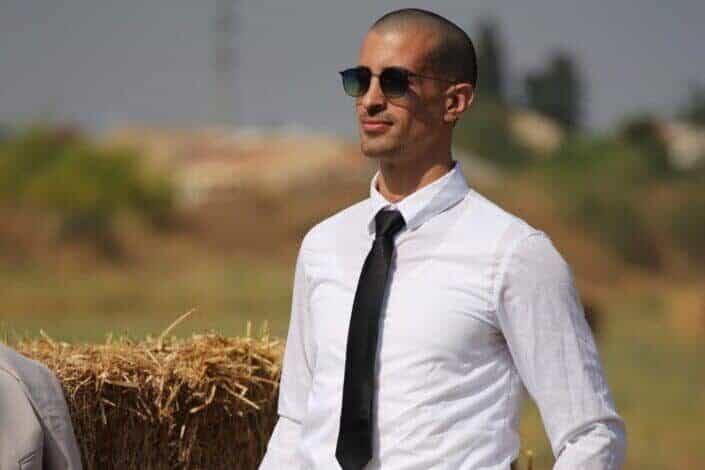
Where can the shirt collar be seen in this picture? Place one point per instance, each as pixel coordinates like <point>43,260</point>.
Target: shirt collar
<point>424,203</point>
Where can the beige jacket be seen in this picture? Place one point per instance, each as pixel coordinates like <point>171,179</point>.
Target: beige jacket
<point>35,426</point>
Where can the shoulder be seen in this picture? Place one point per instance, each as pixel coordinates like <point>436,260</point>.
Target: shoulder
<point>39,384</point>
<point>36,378</point>
<point>10,383</point>
<point>535,263</point>
<point>22,368</point>
<point>497,227</point>
<point>531,264</point>
<point>45,395</point>
<point>518,249</point>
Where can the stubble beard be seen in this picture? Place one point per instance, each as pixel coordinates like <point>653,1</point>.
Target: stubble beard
<point>383,149</point>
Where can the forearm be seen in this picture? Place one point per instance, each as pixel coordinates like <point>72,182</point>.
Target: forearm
<point>598,446</point>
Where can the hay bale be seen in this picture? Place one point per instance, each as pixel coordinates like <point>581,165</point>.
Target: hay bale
<point>206,402</point>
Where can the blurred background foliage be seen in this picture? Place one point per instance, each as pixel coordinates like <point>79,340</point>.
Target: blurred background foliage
<point>63,174</point>
<point>625,187</point>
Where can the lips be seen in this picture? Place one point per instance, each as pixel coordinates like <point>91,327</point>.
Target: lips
<point>375,125</point>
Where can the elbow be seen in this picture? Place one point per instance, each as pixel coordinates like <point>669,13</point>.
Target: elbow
<point>612,434</point>
<point>601,444</point>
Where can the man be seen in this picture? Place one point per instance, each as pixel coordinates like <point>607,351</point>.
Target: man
<point>421,313</point>
<point>35,427</point>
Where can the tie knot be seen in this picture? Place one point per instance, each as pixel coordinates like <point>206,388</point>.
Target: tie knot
<point>388,223</point>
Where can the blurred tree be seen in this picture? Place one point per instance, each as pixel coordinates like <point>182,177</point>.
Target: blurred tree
<point>484,131</point>
<point>557,90</point>
<point>693,109</point>
<point>59,170</point>
<point>598,183</point>
<point>490,62</point>
<point>642,132</point>
<point>687,222</point>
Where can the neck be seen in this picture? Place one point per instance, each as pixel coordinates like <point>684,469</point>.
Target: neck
<point>399,178</point>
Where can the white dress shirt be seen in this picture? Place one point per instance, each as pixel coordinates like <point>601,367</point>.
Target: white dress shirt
<point>480,307</point>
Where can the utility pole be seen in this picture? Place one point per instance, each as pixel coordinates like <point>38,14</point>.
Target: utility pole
<point>224,63</point>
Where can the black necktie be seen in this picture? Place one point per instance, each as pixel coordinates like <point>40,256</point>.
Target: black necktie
<point>354,447</point>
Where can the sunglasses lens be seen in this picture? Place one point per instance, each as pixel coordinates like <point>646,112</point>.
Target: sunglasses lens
<point>355,81</point>
<point>394,82</point>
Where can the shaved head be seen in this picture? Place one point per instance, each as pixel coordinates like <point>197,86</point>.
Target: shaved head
<point>453,56</point>
<point>413,127</point>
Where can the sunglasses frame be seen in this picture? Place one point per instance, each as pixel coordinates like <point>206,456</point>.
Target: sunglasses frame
<point>405,73</point>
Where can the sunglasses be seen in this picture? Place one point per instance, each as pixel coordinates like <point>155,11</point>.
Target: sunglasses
<point>394,81</point>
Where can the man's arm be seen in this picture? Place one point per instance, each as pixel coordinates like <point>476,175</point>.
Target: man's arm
<point>297,372</point>
<point>542,319</point>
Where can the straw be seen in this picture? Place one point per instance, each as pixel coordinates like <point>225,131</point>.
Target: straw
<point>204,402</point>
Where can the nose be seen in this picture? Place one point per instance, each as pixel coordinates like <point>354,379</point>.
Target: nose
<point>373,100</point>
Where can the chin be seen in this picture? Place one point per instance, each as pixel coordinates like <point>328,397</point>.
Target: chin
<point>374,148</point>
<point>373,151</point>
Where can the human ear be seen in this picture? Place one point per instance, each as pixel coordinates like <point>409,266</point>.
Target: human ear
<point>458,99</point>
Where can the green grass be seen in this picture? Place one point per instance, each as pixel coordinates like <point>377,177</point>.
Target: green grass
<point>74,307</point>
<point>657,381</point>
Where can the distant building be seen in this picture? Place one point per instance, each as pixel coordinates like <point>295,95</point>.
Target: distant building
<point>684,142</point>
<point>539,133</point>
<point>208,163</point>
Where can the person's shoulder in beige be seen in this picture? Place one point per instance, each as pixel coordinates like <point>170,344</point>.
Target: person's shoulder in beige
<point>35,426</point>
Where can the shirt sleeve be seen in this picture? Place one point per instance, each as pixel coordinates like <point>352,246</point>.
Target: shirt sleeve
<point>295,383</point>
<point>552,346</point>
